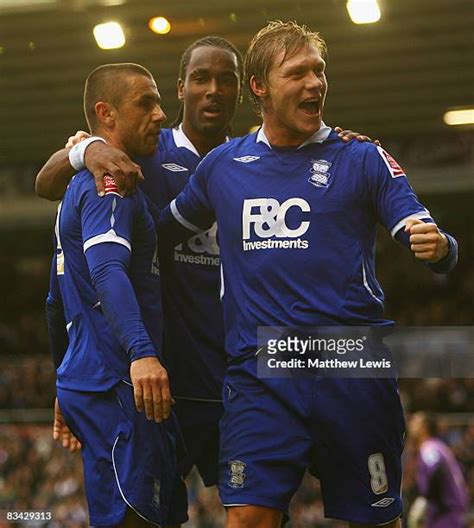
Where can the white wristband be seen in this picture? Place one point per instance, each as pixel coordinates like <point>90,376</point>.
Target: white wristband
<point>77,152</point>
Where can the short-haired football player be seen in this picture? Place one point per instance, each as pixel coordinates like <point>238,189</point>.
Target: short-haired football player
<point>112,388</point>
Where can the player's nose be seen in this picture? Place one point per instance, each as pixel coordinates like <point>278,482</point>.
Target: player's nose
<point>313,81</point>
<point>214,87</point>
<point>159,115</point>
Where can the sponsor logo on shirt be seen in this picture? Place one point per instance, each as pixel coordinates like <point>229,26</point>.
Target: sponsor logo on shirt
<point>110,187</point>
<point>200,249</point>
<point>266,219</point>
<point>247,159</point>
<point>237,474</point>
<point>395,170</point>
<point>174,167</point>
<point>320,175</point>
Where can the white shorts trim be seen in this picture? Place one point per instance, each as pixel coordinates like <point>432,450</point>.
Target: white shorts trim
<point>120,488</point>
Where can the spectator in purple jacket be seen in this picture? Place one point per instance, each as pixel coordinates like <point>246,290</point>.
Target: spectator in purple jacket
<point>442,490</point>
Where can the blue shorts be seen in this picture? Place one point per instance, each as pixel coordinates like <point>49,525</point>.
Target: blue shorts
<point>348,432</point>
<point>199,423</point>
<point>129,461</point>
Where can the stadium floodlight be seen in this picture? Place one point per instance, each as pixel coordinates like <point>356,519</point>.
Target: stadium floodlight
<point>109,35</point>
<point>159,25</point>
<point>363,11</point>
<point>461,116</point>
<point>111,3</point>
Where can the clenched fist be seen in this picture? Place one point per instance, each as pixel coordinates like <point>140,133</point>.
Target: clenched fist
<point>426,241</point>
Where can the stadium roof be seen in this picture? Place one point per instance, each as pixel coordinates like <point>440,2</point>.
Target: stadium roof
<point>390,79</point>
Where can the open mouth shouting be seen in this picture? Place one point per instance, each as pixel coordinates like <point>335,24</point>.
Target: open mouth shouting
<point>310,107</point>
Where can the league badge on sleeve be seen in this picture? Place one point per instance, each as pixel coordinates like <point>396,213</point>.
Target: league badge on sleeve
<point>395,170</point>
<point>320,175</point>
<point>110,186</point>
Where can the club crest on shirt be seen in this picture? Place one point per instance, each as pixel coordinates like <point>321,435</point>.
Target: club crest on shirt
<point>320,175</point>
<point>237,474</point>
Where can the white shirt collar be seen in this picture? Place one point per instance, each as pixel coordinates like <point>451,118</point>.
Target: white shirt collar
<point>182,140</point>
<point>318,137</point>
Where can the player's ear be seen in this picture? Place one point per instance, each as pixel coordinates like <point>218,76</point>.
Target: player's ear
<point>180,88</point>
<point>105,113</point>
<point>259,88</point>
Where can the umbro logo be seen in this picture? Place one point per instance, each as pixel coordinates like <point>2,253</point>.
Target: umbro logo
<point>247,159</point>
<point>383,503</point>
<point>173,167</point>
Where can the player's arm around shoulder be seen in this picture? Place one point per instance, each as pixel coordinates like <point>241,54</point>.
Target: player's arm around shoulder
<point>83,151</point>
<point>54,176</point>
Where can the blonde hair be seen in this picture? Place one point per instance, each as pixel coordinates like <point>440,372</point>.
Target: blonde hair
<point>275,37</point>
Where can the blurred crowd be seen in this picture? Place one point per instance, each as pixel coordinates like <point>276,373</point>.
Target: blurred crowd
<point>38,474</point>
<point>28,382</point>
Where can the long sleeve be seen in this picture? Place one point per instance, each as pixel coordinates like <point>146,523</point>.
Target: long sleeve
<point>108,265</point>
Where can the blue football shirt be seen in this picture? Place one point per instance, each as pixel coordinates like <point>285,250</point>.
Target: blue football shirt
<point>297,230</point>
<point>193,334</point>
<point>106,266</point>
